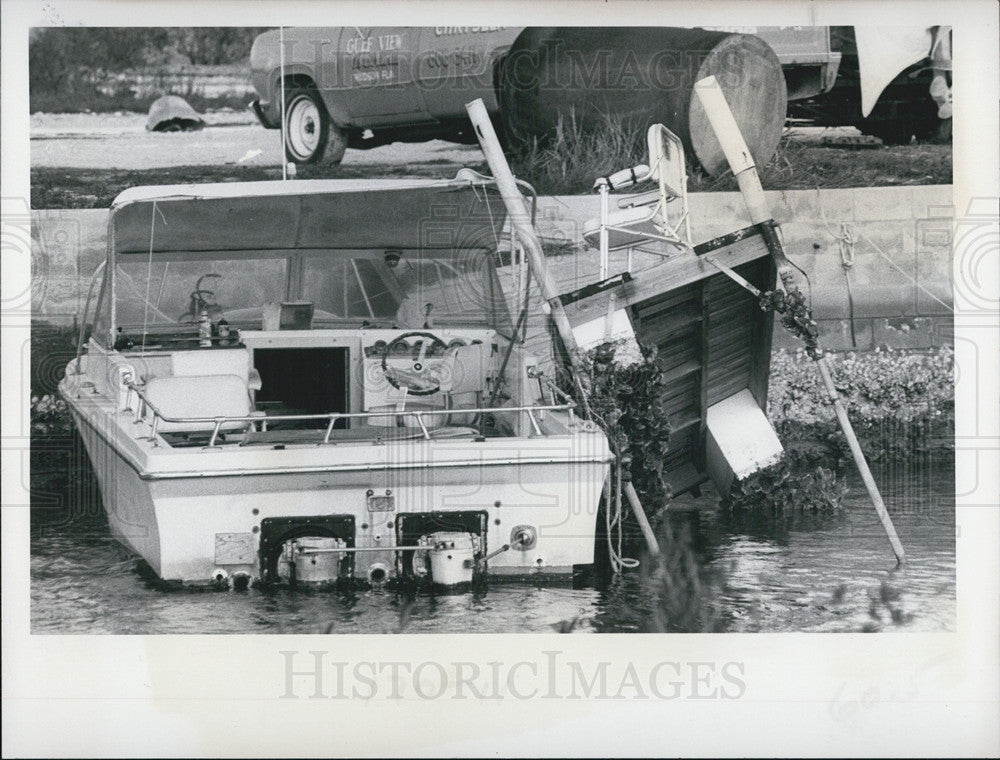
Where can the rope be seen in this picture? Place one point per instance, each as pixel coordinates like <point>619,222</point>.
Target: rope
<point>904,273</point>
<point>489,213</point>
<point>613,524</point>
<point>846,245</point>
<point>618,560</point>
<point>847,260</point>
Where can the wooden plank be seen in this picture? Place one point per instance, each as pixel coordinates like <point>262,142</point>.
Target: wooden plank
<point>737,333</point>
<point>684,423</point>
<point>668,301</point>
<point>595,288</point>
<point>669,325</point>
<point>707,322</point>
<point>726,240</point>
<point>732,364</point>
<point>763,329</point>
<point>723,391</point>
<point>676,273</point>
<point>684,478</point>
<point>682,370</point>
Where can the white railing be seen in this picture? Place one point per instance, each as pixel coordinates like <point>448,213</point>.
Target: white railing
<point>331,418</point>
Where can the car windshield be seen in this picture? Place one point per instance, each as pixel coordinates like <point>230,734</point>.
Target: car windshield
<point>385,288</point>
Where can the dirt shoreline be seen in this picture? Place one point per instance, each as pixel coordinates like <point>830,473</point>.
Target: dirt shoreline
<point>85,160</point>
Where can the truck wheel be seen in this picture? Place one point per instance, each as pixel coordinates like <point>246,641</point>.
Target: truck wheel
<point>336,144</point>
<point>309,132</point>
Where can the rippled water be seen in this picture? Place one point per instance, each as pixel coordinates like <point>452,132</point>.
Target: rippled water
<point>806,573</point>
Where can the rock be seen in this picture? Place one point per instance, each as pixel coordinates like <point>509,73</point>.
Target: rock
<point>171,113</point>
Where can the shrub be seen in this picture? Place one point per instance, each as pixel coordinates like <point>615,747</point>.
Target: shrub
<point>52,348</point>
<point>789,486</point>
<point>900,402</point>
<point>628,401</point>
<point>50,417</point>
<point>70,69</point>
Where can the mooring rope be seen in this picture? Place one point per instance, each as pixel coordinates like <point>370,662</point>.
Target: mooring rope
<point>846,244</point>
<point>903,272</point>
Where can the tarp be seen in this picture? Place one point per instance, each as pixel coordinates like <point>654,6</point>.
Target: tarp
<point>306,214</point>
<point>884,52</point>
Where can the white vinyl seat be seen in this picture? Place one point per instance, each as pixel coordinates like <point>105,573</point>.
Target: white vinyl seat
<point>654,221</point>
<point>198,396</point>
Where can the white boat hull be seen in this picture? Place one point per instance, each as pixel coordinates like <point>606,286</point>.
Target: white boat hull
<point>174,517</point>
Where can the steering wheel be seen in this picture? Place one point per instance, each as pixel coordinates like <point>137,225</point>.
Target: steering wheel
<point>418,381</point>
<point>200,299</point>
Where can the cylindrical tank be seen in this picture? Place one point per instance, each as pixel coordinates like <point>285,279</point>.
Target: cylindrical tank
<point>643,76</point>
<point>452,558</point>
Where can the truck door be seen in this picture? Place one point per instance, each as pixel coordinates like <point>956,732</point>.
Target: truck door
<point>455,65</point>
<point>376,65</point>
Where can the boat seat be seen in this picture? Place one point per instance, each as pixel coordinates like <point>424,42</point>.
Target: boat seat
<point>464,380</point>
<point>198,396</point>
<point>631,227</point>
<point>650,220</point>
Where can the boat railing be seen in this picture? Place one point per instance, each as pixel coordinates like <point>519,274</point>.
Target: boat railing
<point>145,407</point>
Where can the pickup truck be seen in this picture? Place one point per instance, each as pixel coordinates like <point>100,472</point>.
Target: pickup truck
<point>361,87</point>
<point>365,87</point>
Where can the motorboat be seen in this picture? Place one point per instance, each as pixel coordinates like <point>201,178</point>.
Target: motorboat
<point>315,381</point>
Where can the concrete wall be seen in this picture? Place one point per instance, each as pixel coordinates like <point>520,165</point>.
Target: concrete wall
<point>901,273</point>
<point>900,278</point>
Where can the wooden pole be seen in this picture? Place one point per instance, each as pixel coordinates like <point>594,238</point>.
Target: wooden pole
<point>742,164</point>
<point>738,155</point>
<point>640,517</point>
<point>861,462</point>
<point>520,218</point>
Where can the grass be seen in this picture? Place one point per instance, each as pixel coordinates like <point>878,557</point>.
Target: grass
<point>559,169</point>
<point>569,163</point>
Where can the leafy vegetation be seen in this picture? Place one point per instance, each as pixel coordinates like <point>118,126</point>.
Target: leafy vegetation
<point>788,486</point>
<point>50,417</point>
<point>73,69</point>
<point>52,348</point>
<point>687,591</point>
<point>900,402</point>
<point>628,401</point>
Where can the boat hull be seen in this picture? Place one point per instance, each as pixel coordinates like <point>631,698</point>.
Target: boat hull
<point>184,524</point>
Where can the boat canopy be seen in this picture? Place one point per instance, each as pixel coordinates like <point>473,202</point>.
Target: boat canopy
<point>327,215</point>
<point>359,250</point>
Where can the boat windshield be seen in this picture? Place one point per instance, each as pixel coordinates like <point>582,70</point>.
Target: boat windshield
<point>385,288</point>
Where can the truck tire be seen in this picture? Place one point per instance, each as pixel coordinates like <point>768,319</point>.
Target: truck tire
<point>309,132</point>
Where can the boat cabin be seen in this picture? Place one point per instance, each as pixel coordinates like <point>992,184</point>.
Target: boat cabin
<point>273,313</point>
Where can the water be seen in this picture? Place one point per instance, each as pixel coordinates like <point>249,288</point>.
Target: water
<point>804,573</point>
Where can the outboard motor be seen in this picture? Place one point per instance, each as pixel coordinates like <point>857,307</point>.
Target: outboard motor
<point>452,559</point>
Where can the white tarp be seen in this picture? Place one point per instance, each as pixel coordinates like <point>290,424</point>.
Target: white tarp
<point>883,52</point>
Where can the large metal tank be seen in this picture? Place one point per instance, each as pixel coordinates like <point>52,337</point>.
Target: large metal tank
<point>643,75</point>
